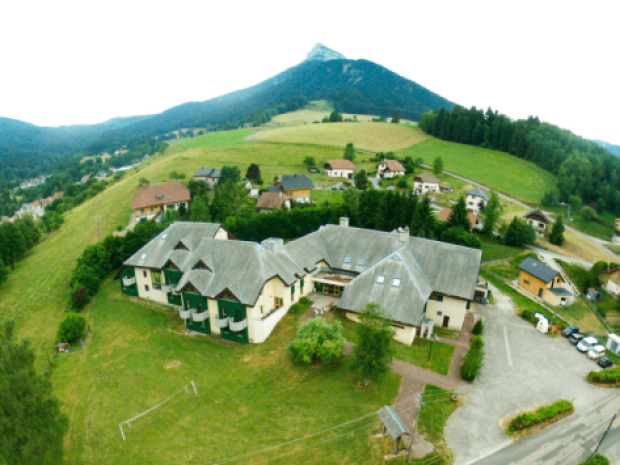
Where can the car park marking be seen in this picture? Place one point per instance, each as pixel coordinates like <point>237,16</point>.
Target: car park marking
<point>507,346</point>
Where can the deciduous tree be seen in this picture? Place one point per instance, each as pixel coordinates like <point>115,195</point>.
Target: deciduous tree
<point>349,152</point>
<point>199,211</point>
<point>253,172</point>
<point>317,340</point>
<point>438,166</point>
<point>556,236</point>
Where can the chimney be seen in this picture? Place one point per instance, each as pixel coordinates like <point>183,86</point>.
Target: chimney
<point>403,234</point>
<point>344,221</point>
<point>275,244</point>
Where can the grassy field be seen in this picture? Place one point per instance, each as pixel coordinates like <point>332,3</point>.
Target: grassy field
<point>577,247</point>
<point>601,229</point>
<point>219,139</point>
<point>498,170</point>
<point>493,249</point>
<point>299,117</point>
<point>320,196</point>
<point>379,137</point>
<point>250,397</point>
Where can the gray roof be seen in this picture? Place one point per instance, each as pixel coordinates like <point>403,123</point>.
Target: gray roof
<point>561,291</point>
<point>392,422</point>
<point>275,189</point>
<point>296,181</point>
<point>207,173</point>
<point>538,269</point>
<point>478,192</point>
<point>538,212</point>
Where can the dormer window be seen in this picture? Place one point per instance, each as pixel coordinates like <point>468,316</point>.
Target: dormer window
<point>380,279</point>
<point>348,259</point>
<point>362,262</point>
<point>396,282</point>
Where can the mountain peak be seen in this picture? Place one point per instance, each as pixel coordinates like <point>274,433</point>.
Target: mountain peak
<point>322,53</point>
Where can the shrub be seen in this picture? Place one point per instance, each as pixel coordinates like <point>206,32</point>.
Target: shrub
<point>295,309</point>
<point>597,459</point>
<point>317,340</point>
<point>402,183</point>
<point>549,412</point>
<point>79,298</point>
<point>607,376</point>
<point>71,327</point>
<point>472,362</point>
<point>478,328</point>
<point>476,343</point>
<point>305,301</point>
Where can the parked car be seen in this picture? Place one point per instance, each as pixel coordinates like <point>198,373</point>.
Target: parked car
<point>575,338</point>
<point>605,362</point>
<point>586,344</point>
<point>596,352</point>
<point>341,187</point>
<point>572,329</point>
<point>334,188</point>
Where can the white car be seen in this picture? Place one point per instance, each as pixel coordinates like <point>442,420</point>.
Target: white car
<point>596,352</point>
<point>586,344</point>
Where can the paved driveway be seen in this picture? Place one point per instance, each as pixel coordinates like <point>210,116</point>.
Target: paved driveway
<point>522,369</point>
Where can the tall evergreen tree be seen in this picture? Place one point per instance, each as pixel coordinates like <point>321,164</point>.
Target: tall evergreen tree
<point>361,180</point>
<point>32,426</point>
<point>349,152</point>
<point>253,172</point>
<point>556,236</point>
<point>491,214</point>
<point>423,223</point>
<point>12,244</point>
<point>458,217</point>
<point>199,211</point>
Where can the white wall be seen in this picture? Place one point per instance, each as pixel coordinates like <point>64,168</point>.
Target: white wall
<point>456,309</point>
<point>425,187</point>
<point>151,294</point>
<point>402,333</point>
<point>339,173</point>
<point>612,287</point>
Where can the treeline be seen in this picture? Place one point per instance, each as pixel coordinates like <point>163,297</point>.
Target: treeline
<point>16,239</point>
<point>582,167</point>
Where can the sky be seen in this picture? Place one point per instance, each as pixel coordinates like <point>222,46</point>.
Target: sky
<point>77,62</point>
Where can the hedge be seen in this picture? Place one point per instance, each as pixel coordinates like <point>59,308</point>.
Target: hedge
<point>543,414</point>
<point>607,376</point>
<point>597,459</point>
<point>478,328</point>
<point>472,362</point>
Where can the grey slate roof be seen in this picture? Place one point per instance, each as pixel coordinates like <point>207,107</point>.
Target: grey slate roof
<point>478,192</point>
<point>560,291</point>
<point>538,269</point>
<point>207,173</point>
<point>296,181</point>
<point>394,425</point>
<point>275,189</point>
<point>538,212</point>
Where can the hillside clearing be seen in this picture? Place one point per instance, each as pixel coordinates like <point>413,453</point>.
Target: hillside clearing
<point>377,137</point>
<point>309,116</point>
<point>498,170</point>
<point>219,139</point>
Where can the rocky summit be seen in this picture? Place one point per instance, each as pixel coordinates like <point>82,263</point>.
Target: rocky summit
<point>322,53</point>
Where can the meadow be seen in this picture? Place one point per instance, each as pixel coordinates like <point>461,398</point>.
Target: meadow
<point>376,137</point>
<point>519,178</point>
<point>219,139</point>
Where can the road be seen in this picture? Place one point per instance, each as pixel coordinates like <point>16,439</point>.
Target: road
<point>569,441</point>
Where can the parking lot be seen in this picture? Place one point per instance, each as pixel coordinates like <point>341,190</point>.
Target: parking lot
<point>522,369</point>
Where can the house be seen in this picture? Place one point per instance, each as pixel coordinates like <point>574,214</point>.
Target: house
<point>445,187</point>
<point>544,282</point>
<point>297,186</point>
<point>34,209</point>
<point>593,294</point>
<point>613,283</point>
<point>101,175</point>
<point>339,169</point>
<point>270,201</point>
<point>120,151</point>
<point>474,220</point>
<point>150,201</point>
<point>208,175</point>
<point>240,290</point>
<point>252,191</point>
<point>426,182</point>
<point>476,199</point>
<point>539,220</point>
<point>390,168</point>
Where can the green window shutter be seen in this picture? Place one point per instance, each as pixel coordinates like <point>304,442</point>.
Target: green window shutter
<point>468,305</point>
<point>293,289</point>
<point>302,283</point>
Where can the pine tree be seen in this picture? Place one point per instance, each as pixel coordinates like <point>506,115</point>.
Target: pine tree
<point>253,172</point>
<point>491,214</point>
<point>199,211</point>
<point>423,223</point>
<point>361,180</point>
<point>556,236</point>
<point>459,216</point>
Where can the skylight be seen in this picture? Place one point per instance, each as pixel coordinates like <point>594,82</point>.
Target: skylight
<point>396,282</point>
<point>348,259</point>
<point>164,237</point>
<point>362,262</point>
<point>143,256</point>
<point>380,279</point>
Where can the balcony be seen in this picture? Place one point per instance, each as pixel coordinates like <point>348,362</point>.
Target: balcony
<point>185,314</point>
<point>199,317</point>
<point>221,322</point>
<point>129,281</point>
<point>167,288</point>
<point>238,325</point>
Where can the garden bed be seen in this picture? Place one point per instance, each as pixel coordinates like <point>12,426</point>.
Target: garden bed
<point>609,377</point>
<point>528,423</point>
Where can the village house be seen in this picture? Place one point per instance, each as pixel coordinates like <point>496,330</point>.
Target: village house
<point>426,182</point>
<point>339,169</point>
<point>445,187</point>
<point>476,199</point>
<point>196,266</point>
<point>297,186</point>
<point>208,175</point>
<point>390,169</point>
<point>150,201</point>
<point>474,221</point>
<point>270,201</point>
<point>252,191</point>
<point>539,220</point>
<point>613,282</point>
<point>544,282</point>
<point>101,175</point>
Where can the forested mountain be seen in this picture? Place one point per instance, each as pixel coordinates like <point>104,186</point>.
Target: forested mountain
<point>354,86</point>
<point>27,150</point>
<point>615,149</point>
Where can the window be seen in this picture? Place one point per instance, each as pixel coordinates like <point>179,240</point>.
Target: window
<point>168,196</point>
<point>146,287</point>
<point>278,302</point>
<point>348,259</point>
<point>396,282</point>
<point>526,281</point>
<point>557,280</point>
<point>142,210</point>
<point>362,262</point>
<point>292,290</point>
<point>156,279</point>
<point>144,272</point>
<point>439,313</point>
<point>396,325</point>
<point>437,297</point>
<point>380,279</point>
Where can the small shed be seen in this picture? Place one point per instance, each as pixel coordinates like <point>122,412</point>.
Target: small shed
<point>593,294</point>
<point>613,344</point>
<point>393,425</point>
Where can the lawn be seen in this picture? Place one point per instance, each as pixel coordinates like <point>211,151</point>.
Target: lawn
<point>219,139</point>
<point>493,249</point>
<point>501,171</point>
<point>327,195</point>
<point>577,247</point>
<point>250,397</point>
<point>602,229</point>
<point>379,137</point>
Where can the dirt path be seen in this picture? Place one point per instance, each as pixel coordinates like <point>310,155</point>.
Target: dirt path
<point>251,136</point>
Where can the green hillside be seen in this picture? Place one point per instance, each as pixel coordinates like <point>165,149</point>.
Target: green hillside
<point>506,173</point>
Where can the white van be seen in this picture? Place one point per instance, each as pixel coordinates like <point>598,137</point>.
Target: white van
<point>586,344</point>
<point>596,352</point>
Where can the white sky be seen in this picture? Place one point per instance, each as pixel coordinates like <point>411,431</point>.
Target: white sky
<point>79,62</point>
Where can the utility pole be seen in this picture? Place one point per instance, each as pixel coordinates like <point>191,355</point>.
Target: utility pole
<point>415,425</point>
<point>98,217</point>
<point>602,439</point>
